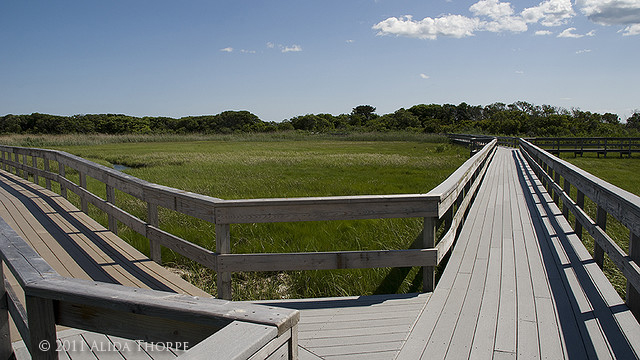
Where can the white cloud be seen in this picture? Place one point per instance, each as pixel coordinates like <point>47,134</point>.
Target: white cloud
<point>549,13</point>
<point>497,16</point>
<point>631,30</point>
<point>271,45</point>
<point>584,51</point>
<point>350,41</point>
<point>569,33</point>
<point>611,12</point>
<point>492,8</point>
<point>456,26</point>
<point>424,76</point>
<point>247,51</point>
<point>227,49</point>
<point>292,48</point>
<point>519,72</point>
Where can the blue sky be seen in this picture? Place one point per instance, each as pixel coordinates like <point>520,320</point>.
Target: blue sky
<point>279,59</point>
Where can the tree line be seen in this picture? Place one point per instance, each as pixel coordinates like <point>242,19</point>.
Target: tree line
<point>517,119</point>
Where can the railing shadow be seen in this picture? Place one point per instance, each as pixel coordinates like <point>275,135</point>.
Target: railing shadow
<point>573,322</point>
<point>93,269</point>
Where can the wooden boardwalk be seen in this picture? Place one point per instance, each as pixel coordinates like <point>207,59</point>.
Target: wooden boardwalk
<point>518,284</point>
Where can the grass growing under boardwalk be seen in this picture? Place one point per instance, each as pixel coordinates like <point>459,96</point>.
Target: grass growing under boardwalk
<point>623,173</point>
<point>297,166</point>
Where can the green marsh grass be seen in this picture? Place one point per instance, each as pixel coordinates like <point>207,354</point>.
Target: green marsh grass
<point>289,165</point>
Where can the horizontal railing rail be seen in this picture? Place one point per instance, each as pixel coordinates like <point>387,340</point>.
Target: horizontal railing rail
<point>446,204</point>
<point>138,314</point>
<point>609,199</point>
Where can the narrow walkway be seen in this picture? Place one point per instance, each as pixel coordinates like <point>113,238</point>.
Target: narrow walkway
<point>518,284</point>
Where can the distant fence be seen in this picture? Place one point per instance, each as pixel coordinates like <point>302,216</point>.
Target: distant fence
<point>582,145</point>
<point>620,204</point>
<point>446,204</point>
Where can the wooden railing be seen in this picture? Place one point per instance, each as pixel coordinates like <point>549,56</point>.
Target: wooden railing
<point>622,205</point>
<point>198,324</point>
<point>476,142</point>
<point>446,204</point>
<point>581,145</point>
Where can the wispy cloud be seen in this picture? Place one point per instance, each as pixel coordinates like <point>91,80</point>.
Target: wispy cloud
<point>292,48</point>
<point>631,30</point>
<point>284,48</point>
<point>569,33</point>
<point>583,51</point>
<point>227,49</point>
<point>424,76</point>
<point>519,72</point>
<point>543,32</point>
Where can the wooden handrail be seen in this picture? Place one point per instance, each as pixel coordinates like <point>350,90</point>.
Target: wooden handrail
<point>446,203</point>
<point>620,204</point>
<point>140,314</point>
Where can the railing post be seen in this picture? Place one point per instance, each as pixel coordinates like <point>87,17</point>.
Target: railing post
<point>5,339</point>
<point>567,190</point>
<point>223,246</point>
<point>34,163</point>
<point>556,179</point>
<point>111,198</point>
<point>46,168</point>
<point>62,173</point>
<point>84,206</point>
<point>42,328</point>
<point>428,242</point>
<point>580,203</point>
<point>155,250</point>
<point>633,294</point>
<point>25,173</point>
<point>16,159</point>
<point>601,221</point>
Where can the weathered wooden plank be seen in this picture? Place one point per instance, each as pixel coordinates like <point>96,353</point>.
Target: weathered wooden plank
<point>134,326</point>
<point>201,255</point>
<point>42,328</point>
<point>219,343</point>
<point>5,299</point>
<point>223,246</point>
<point>326,260</point>
<point>633,293</point>
<point>155,250</point>
<point>158,303</point>
<point>325,208</point>
<point>17,312</point>
<point>111,198</point>
<point>24,263</point>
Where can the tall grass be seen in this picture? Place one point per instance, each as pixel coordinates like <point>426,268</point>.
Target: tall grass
<point>264,166</point>
<point>38,140</point>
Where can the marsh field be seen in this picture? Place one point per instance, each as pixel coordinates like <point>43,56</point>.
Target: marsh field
<point>263,166</point>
